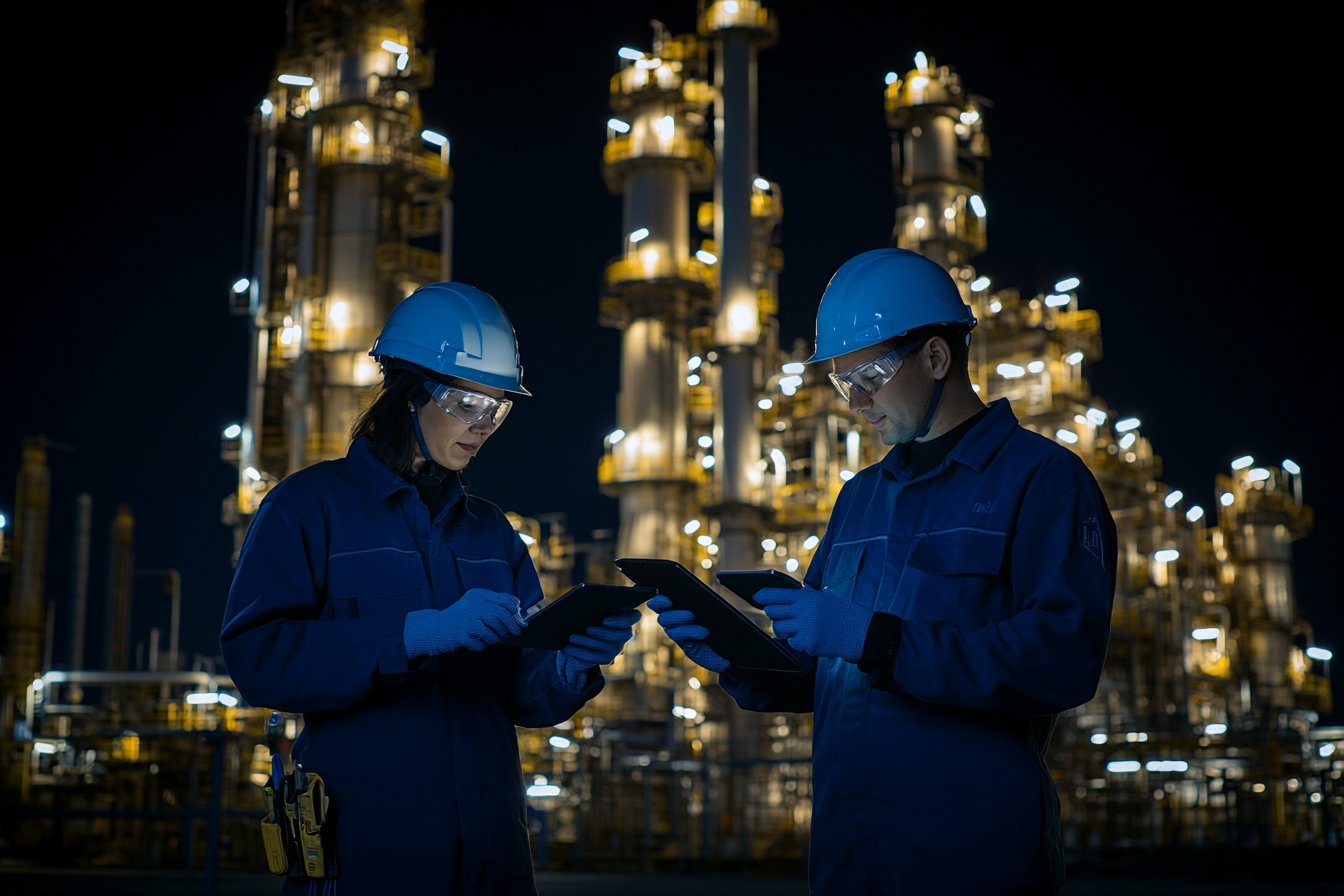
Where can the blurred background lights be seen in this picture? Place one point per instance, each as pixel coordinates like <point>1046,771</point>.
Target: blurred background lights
<point>1123,766</point>
<point>1174,498</point>
<point>1057,301</point>
<point>810,542</point>
<point>618,126</point>
<point>706,257</point>
<point>1194,514</point>
<point>705,441</point>
<point>921,61</point>
<point>1291,467</point>
<point>691,527</point>
<point>1096,415</point>
<point>433,137</point>
<point>1226,499</point>
<point>1242,463</point>
<point>1215,728</point>
<point>637,235</point>
<point>979,283</point>
<point>240,285</point>
<point>1320,653</point>
<point>1205,634</point>
<point>761,183</point>
<point>392,46</point>
<point>892,77</point>
<point>1167,556</point>
<point>1259,474</point>
<point>1009,371</point>
<point>629,53</point>
<point>1067,435</point>
<point>1073,359</point>
<point>1036,366</point>
<point>296,80</point>
<point>977,205</point>
<point>232,431</point>
<point>1127,424</point>
<point>1128,440</point>
<point>1098,738</point>
<point>616,435</point>
<point>693,362</point>
<point>1067,284</point>
<point>794,367</point>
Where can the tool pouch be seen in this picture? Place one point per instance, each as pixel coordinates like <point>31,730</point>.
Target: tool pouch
<point>313,804</point>
<point>277,857</point>
<point>299,842</point>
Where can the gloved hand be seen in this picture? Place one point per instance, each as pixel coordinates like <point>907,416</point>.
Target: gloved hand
<point>685,633</point>
<point>596,646</point>
<point>819,623</point>
<point>478,619</point>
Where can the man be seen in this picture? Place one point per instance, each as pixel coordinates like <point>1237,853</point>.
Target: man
<point>960,599</point>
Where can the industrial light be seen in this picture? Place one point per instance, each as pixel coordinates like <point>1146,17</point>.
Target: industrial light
<point>705,441</point>
<point>846,475</point>
<point>1167,556</point>
<point>1098,738</point>
<point>706,257</point>
<point>970,117</point>
<point>1127,424</point>
<point>778,458</point>
<point>1174,498</point>
<point>267,107</point>
<point>711,549</point>
<point>1066,435</point>
<point>1057,301</point>
<point>1167,765</point>
<point>949,213</point>
<point>1205,634</point>
<point>1128,440</point>
<point>1194,513</point>
<point>1226,499</point>
<point>765,404</point>
<point>666,128</point>
<point>41,747</point>
<point>1009,371</point>
<point>1291,467</point>
<point>296,80</point>
<point>629,53</point>
<point>705,540</point>
<point>615,436</point>
<point>251,473</point>
<point>707,461</point>
<point>919,82</point>
<point>434,137</point>
<point>240,285</point>
<point>392,46</point>
<point>730,7</point>
<point>1242,463</point>
<point>200,698</point>
<point>691,527</point>
<point>543,790</point>
<point>975,387</point>
<point>1036,366</point>
<point>693,379</point>
<point>361,132</point>
<point>791,564</point>
<point>810,542</point>
<point>761,183</point>
<point>794,367</point>
<point>1068,284</point>
<point>620,127</point>
<point>526,539</point>
<point>1259,474</point>
<point>1073,359</point>
<point>559,742</point>
<point>921,61</point>
<point>768,544</point>
<point>1123,766</point>
<point>1326,750</point>
<point>1096,415</point>
<point>892,78</point>
<point>1215,728</point>
<point>232,431</point>
<point>228,699</point>
<point>1320,653</point>
<point>639,234</point>
<point>979,284</point>
<point>977,205</point>
<point>996,306</point>
<point>693,362</point>
<point>789,384</point>
<point>339,312</point>
<point>919,223</point>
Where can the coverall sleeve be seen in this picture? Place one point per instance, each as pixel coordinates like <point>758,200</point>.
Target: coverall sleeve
<point>279,650</point>
<point>1045,657</point>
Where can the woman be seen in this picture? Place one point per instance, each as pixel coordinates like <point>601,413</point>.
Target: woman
<point>371,595</point>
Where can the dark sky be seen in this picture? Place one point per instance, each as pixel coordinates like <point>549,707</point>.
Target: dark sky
<point>1175,165</point>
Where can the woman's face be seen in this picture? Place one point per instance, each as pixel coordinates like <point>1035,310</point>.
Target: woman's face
<point>451,442</point>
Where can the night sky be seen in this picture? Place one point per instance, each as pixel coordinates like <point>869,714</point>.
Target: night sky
<point>1176,166</point>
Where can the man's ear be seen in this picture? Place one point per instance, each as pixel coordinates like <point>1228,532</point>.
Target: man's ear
<point>940,357</point>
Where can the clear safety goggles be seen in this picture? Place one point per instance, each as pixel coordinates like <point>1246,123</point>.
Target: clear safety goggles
<point>872,376</point>
<point>469,407</point>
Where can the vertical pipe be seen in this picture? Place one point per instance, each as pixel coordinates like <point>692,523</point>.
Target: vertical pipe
<point>79,578</point>
<point>120,577</point>
<point>31,506</point>
<point>48,642</point>
<point>175,619</point>
<point>154,649</point>
<point>446,240</point>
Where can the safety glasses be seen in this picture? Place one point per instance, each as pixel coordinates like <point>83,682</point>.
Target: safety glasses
<point>875,374</point>
<point>469,407</point>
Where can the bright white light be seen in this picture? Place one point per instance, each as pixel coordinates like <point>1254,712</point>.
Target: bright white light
<point>1167,556</point>
<point>730,7</point>
<point>1057,301</point>
<point>1215,728</point>
<point>765,404</point>
<point>777,458</point>
<point>620,127</point>
<point>1036,366</point>
<point>2,521</point>
<point>979,283</point>
<point>232,431</point>
<point>921,61</point>
<point>1066,435</point>
<point>402,61</point>
<point>1226,499</point>
<point>978,205</point>
<point>666,128</point>
<point>761,183</point>
<point>1128,440</point>
<point>707,563</point>
<point>202,698</point>
<point>1205,634</point>
<point>846,475</point>
<point>559,742</point>
<point>433,137</point>
<point>768,544</point>
<point>1291,467</point>
<point>693,379</point>
<point>693,684</point>
<point>706,257</point>
<point>314,95</point>
<point>287,336</point>
<point>691,527</point>
<point>705,441</point>
<point>1326,749</point>
<point>228,699</point>
<point>919,82</point>
<point>1098,738</point>
<point>1073,359</point>
<point>810,542</point>
<point>1194,513</point>
<point>629,53</point>
<point>392,46</point>
<point>704,540</point>
<point>240,285</point>
<point>1174,498</point>
<point>1010,371</point>
<point>1167,765</point>
<point>251,473</point>
<point>1127,424</point>
<point>919,223</point>
<point>949,213</point>
<point>707,461</point>
<point>296,80</point>
<point>615,436</point>
<point>1319,653</point>
<point>975,387</point>
<point>791,565</point>
<point>892,77</point>
<point>40,747</point>
<point>526,539</point>
<point>1123,767</point>
<point>639,234</point>
<point>1258,474</point>
<point>543,790</point>
<point>1068,284</point>
<point>996,306</point>
<point>970,117</point>
<point>794,367</point>
<point>1096,415</point>
<point>1242,463</point>
<point>694,362</point>
<point>267,107</point>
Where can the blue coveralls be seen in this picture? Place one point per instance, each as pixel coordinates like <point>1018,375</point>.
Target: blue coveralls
<point>929,772</point>
<point>420,756</point>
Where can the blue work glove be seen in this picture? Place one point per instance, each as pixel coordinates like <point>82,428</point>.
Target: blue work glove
<point>595,646</point>
<point>478,619</point>
<point>819,623</point>
<point>681,627</point>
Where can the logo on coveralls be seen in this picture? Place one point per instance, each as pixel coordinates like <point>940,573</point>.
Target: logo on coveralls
<point>983,507</point>
<point>1092,538</point>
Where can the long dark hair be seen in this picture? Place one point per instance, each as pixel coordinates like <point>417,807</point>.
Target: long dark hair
<point>387,421</point>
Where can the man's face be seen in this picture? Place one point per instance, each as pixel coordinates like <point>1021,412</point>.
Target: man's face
<point>898,408</point>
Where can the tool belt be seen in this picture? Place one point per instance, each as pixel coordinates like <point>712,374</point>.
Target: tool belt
<point>299,842</point>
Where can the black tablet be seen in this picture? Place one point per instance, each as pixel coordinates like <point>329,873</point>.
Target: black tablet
<point>746,583</point>
<point>732,635</point>
<point>578,608</point>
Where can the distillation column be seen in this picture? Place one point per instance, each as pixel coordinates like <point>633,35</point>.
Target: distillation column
<point>27,609</point>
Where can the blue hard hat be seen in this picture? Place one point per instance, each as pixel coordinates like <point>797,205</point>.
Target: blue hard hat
<point>454,330</point>
<point>881,294</point>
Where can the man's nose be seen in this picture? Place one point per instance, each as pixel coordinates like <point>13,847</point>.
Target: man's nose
<point>858,401</point>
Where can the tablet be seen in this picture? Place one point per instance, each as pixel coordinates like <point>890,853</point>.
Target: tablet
<point>578,608</point>
<point>746,583</point>
<point>732,635</point>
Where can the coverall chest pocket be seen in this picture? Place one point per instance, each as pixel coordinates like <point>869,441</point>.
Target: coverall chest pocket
<point>370,584</point>
<point>490,573</point>
<point>955,577</point>
<point>842,569</point>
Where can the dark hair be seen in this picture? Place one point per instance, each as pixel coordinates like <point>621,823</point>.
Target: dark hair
<point>387,422</point>
<point>953,334</point>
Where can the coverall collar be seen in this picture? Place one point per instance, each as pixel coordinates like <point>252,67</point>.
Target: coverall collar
<point>974,450</point>
<point>385,483</point>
